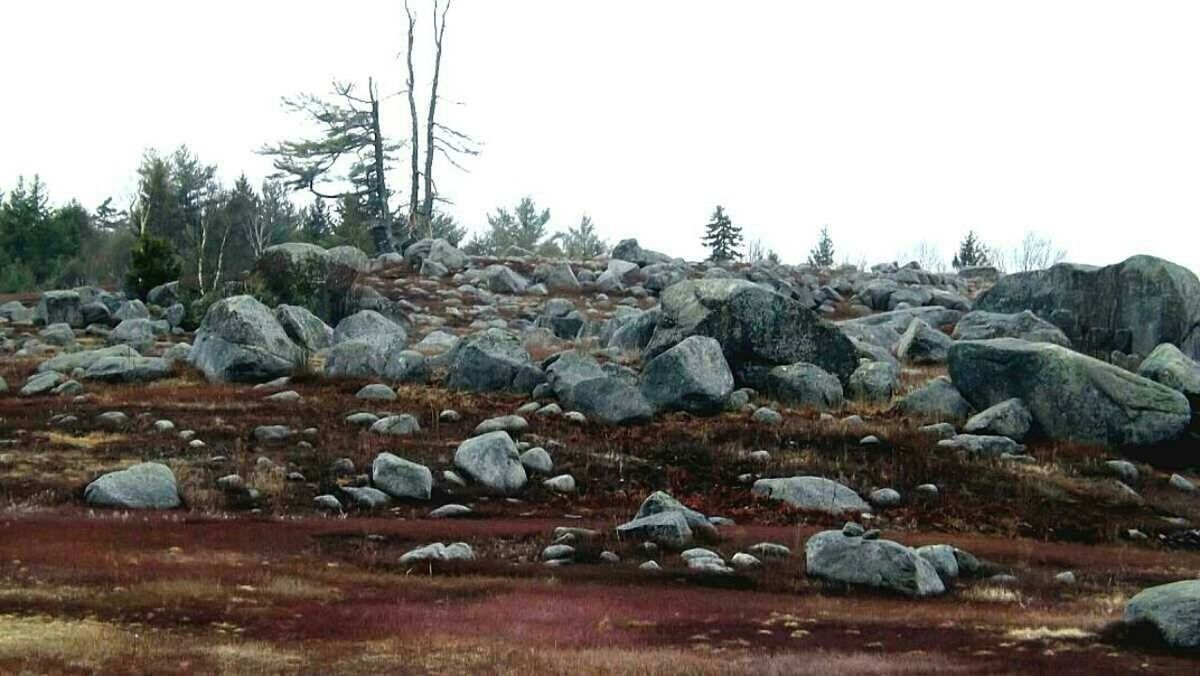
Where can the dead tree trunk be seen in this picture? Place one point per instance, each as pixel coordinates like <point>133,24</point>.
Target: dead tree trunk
<point>439,30</point>
<point>414,194</point>
<point>381,231</point>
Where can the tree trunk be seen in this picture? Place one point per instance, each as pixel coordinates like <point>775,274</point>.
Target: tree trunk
<point>438,32</point>
<point>414,195</point>
<point>381,232</point>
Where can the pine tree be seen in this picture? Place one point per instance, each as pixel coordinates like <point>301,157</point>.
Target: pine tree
<point>971,253</point>
<point>722,237</point>
<point>821,255</point>
<point>582,243</point>
<point>317,225</point>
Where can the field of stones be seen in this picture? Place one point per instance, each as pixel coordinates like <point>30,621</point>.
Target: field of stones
<point>434,463</point>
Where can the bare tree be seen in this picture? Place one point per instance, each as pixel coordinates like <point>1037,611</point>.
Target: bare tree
<point>439,138</point>
<point>926,254</point>
<point>414,195</point>
<point>1034,252</point>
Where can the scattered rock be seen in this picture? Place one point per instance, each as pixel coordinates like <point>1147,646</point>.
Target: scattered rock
<point>149,485</point>
<point>812,493</point>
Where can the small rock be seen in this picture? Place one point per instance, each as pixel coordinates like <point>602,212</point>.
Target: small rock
<point>767,416</point>
<point>884,497</point>
<point>450,511</point>
<point>376,392</point>
<point>1180,482</point>
<point>563,483</point>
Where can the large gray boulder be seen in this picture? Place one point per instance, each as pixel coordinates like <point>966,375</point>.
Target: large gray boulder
<point>1172,609</point>
<point>611,400</point>
<point>57,307</point>
<point>136,333</point>
<point>16,313</point>
<point>885,329</point>
<point>1009,419</point>
<point>758,329</point>
<point>874,382</point>
<point>984,325</point>
<point>692,376</point>
<point>241,341</point>
<point>67,363</point>
<point>492,460</point>
<point>923,344</point>
<point>804,384</point>
<point>812,493</point>
<point>364,343</point>
<point>630,250</point>
<point>1131,307</point>
<point>1171,367</point>
<point>1071,396</point>
<point>401,478</point>
<point>568,369</point>
<point>438,251</point>
<point>669,529</point>
<point>937,399</point>
<point>128,369</point>
<point>661,501</point>
<point>150,485</point>
<point>494,360</point>
<point>871,562</point>
<point>304,328</point>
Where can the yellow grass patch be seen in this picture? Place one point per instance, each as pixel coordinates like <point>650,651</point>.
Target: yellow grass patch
<point>87,441</point>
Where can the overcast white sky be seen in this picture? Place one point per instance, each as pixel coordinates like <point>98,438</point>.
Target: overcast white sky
<point>891,122</point>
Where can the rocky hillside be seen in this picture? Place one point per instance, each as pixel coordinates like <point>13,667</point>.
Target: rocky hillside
<point>655,408</point>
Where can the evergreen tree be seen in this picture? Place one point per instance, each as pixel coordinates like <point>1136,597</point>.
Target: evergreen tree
<point>152,262</point>
<point>722,237</point>
<point>524,227</point>
<point>821,255</point>
<point>316,223</point>
<point>971,253</point>
<point>582,243</point>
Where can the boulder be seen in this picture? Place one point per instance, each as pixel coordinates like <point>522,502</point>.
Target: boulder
<point>1069,395</point>
<point>41,383</point>
<point>989,445</point>
<point>16,313</point>
<point>492,361</point>
<point>812,493</point>
<point>150,485</point>
<point>692,376</point>
<point>804,384</point>
<point>937,399</point>
<point>304,328</point>
<point>1132,306</point>
<point>241,341</point>
<point>363,344</point>
<point>758,329</point>
<point>659,502</point>
<point>557,276</point>
<point>136,333</point>
<point>611,400</point>
<point>492,460</point>
<point>403,425</point>
<point>630,250</point>
<point>923,344</point>
<point>164,295</point>
<point>67,363</point>
<point>567,369</point>
<point>58,335</point>
<point>1009,418</point>
<point>59,307</point>
<point>669,529</point>
<point>1172,609</point>
<point>871,562</point>
<point>128,369</point>
<point>984,325</point>
<point>874,382</point>
<point>1169,366</point>
<point>400,478</point>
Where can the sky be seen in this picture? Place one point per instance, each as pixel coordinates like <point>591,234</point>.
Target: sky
<point>889,122</point>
